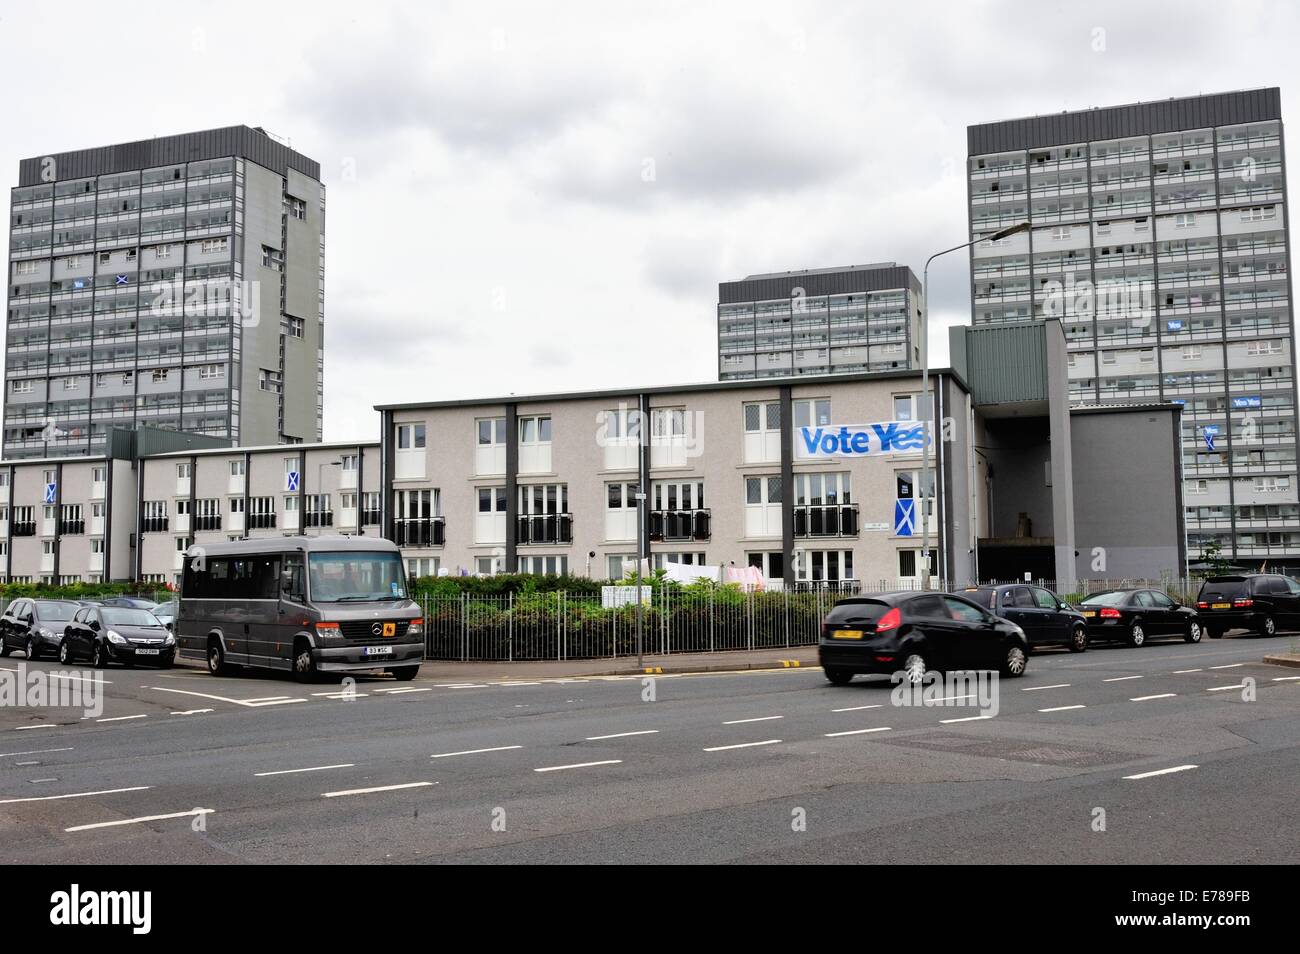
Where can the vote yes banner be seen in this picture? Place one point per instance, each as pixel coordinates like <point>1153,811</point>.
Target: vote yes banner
<point>860,440</point>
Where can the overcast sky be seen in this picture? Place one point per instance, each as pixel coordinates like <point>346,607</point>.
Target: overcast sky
<point>535,197</point>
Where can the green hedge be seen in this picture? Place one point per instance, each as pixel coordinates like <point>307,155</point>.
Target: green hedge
<point>84,591</point>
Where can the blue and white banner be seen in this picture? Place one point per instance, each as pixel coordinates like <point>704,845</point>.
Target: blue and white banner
<point>291,480</point>
<point>51,491</point>
<point>860,440</point>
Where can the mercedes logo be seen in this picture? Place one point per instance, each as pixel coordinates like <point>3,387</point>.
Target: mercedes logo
<point>376,629</point>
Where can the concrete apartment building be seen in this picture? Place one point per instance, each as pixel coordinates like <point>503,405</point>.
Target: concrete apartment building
<point>186,498</point>
<point>548,483</point>
<point>175,282</point>
<point>819,321</point>
<point>1160,240</point>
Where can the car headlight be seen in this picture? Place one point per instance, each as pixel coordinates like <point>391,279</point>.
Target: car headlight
<point>47,633</point>
<point>416,628</point>
<point>170,640</point>
<point>116,638</point>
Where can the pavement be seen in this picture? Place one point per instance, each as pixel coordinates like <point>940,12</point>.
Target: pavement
<point>1170,754</point>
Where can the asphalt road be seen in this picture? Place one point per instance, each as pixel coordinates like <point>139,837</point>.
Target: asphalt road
<point>767,766</point>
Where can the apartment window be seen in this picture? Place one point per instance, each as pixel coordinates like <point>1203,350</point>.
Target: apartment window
<point>908,407</point>
<point>348,462</point>
<point>215,245</point>
<point>183,471</point>
<point>824,566</point>
<point>534,430</point>
<point>268,380</point>
<point>552,565</point>
<point>318,511</point>
<point>410,436</point>
<point>816,413</point>
<point>297,208</point>
<point>1192,352</point>
<point>1108,357</point>
<point>21,387</point>
<point>370,508</point>
<point>159,375</point>
<point>1198,486</point>
<point>261,512</point>
<point>615,565</point>
<point>25,268</point>
<point>538,499</point>
<point>1258,348</point>
<point>491,432</point>
<point>1259,214</point>
<point>1184,220</point>
<point>485,566</point>
<point>272,258</point>
<point>207,514</point>
<point>293,327</point>
<point>623,423</point>
<point>162,251</point>
<point>210,371</point>
<point>155,516</point>
<point>761,418</point>
<point>71,384</point>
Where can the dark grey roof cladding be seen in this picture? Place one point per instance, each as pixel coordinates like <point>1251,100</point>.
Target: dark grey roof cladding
<point>1136,119</point>
<point>753,384</point>
<point>818,282</point>
<point>252,144</point>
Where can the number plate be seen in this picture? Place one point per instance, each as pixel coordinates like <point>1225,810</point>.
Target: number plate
<point>847,634</point>
<point>147,652</point>
<point>377,651</point>
<point>1220,606</point>
<point>1090,613</point>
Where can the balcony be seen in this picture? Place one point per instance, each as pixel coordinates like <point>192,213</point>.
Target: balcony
<point>154,525</point>
<point>318,518</point>
<point>207,522</point>
<point>679,525</point>
<point>826,520</point>
<point>25,528</point>
<point>261,521</point>
<point>369,518</point>
<point>67,527</point>
<point>418,532</point>
<point>545,528</point>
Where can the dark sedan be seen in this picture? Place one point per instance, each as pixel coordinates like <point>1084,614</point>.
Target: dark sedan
<point>1136,616</point>
<point>1046,618</point>
<point>35,626</point>
<point>916,633</point>
<point>105,634</point>
<point>133,602</point>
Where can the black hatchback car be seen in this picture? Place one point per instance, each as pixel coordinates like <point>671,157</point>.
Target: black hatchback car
<point>35,626</point>
<point>1261,602</point>
<point>917,632</point>
<point>106,634</point>
<point>1046,618</point>
<point>1136,616</point>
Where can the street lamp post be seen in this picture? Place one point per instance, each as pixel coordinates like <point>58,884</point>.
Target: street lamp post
<point>928,415</point>
<point>640,610</point>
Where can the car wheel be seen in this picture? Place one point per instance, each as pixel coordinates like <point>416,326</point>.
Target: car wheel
<point>1079,639</point>
<point>1013,664</point>
<point>915,666</point>
<point>1268,627</point>
<point>32,651</point>
<point>405,673</point>
<point>1193,634</point>
<point>65,653</point>
<point>1136,635</point>
<point>99,659</point>
<point>304,663</point>
<point>217,664</point>
<point>838,677</point>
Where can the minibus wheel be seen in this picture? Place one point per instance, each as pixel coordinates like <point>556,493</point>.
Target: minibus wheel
<point>304,663</point>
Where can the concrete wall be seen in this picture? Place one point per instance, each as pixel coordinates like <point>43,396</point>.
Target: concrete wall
<point>1128,503</point>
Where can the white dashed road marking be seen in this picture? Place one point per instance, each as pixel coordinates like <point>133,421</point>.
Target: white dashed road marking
<point>578,765</point>
<point>1062,708</point>
<point>314,768</point>
<point>742,745</point>
<point>1163,695</point>
<point>1176,768</point>
<point>759,719</point>
<point>143,819</point>
<point>498,748</point>
<point>378,788</point>
<point>51,798</point>
<point>834,735</point>
<point>620,735</point>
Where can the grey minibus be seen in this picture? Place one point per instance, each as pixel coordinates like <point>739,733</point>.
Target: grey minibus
<point>308,604</point>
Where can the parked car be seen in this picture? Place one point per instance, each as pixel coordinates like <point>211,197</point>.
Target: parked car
<point>122,634</point>
<point>134,602</point>
<point>1261,602</point>
<point>1135,616</point>
<point>35,626</point>
<point>917,632</point>
<point>166,613</point>
<point>1046,618</point>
